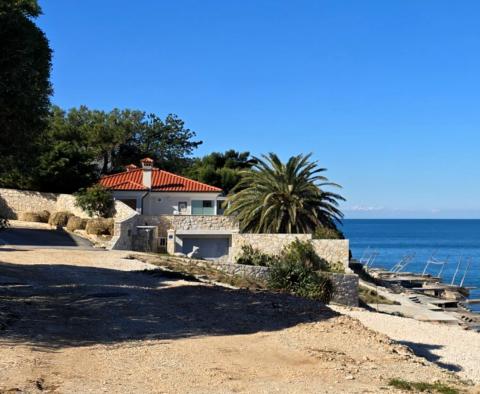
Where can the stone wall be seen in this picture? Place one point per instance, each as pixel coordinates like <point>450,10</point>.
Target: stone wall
<point>254,272</point>
<point>332,250</point>
<point>345,289</point>
<point>189,222</point>
<point>123,232</point>
<point>345,286</point>
<point>13,202</point>
<point>267,243</point>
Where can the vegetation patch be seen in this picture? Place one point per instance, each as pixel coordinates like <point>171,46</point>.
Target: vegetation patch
<point>76,223</point>
<point>188,270</point>
<point>293,277</point>
<point>327,233</point>
<point>370,296</point>
<point>253,256</point>
<point>96,201</point>
<point>3,223</point>
<point>38,217</point>
<point>99,226</point>
<point>423,386</point>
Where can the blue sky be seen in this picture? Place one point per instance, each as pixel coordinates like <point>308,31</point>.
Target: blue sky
<point>384,93</point>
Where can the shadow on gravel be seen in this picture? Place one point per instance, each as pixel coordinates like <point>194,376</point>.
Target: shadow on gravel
<point>62,305</point>
<point>42,238</point>
<point>425,350</point>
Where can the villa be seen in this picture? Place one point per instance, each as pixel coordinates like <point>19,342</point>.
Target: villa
<point>151,191</point>
<point>186,212</point>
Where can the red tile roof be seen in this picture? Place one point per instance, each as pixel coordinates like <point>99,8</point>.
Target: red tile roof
<point>161,181</point>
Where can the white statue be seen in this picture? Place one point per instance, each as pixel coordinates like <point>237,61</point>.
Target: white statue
<point>194,253</point>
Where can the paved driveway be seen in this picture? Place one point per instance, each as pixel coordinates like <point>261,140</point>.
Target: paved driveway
<point>41,238</point>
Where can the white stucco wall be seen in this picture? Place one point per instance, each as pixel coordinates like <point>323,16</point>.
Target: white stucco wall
<point>163,203</point>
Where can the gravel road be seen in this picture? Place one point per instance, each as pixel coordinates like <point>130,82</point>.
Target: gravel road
<point>450,347</point>
<point>87,321</point>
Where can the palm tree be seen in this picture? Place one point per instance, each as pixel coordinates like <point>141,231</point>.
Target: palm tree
<point>274,197</point>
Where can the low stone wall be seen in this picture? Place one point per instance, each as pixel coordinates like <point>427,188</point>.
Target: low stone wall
<point>332,250</point>
<point>13,202</point>
<point>254,272</point>
<point>345,285</point>
<point>345,288</point>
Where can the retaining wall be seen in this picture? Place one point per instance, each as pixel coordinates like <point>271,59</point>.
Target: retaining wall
<point>13,202</point>
<point>190,222</point>
<point>333,251</point>
<point>345,286</point>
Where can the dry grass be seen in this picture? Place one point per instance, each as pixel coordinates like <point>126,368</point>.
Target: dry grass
<point>369,296</point>
<point>422,387</point>
<point>59,219</point>
<point>76,223</point>
<point>37,217</point>
<point>99,226</point>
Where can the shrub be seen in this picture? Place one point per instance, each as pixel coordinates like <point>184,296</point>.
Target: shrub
<point>3,223</point>
<point>304,253</point>
<point>29,217</point>
<point>39,217</point>
<point>327,233</point>
<point>59,219</point>
<point>296,278</point>
<point>44,216</point>
<point>99,226</point>
<point>253,256</point>
<point>96,201</point>
<point>337,267</point>
<point>76,223</point>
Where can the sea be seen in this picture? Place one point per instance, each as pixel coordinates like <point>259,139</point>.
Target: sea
<point>448,240</point>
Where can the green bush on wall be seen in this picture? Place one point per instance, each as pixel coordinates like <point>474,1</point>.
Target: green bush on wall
<point>96,201</point>
<point>253,256</point>
<point>295,278</point>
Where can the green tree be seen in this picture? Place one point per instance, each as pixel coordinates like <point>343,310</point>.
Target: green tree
<point>220,169</point>
<point>25,61</point>
<point>276,197</point>
<point>168,142</point>
<point>96,201</point>
<point>66,158</point>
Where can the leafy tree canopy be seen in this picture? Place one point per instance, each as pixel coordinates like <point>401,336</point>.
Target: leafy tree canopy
<point>220,169</point>
<point>167,142</point>
<point>81,144</point>
<point>25,61</point>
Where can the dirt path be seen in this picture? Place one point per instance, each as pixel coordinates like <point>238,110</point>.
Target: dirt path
<point>91,322</point>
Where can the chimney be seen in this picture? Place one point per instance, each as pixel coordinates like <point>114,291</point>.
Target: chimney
<point>147,165</point>
<point>130,167</point>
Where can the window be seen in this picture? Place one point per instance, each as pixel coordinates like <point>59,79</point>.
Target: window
<point>203,207</point>
<point>182,207</point>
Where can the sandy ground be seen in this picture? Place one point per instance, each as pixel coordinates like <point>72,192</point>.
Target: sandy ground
<point>76,321</point>
<point>450,346</point>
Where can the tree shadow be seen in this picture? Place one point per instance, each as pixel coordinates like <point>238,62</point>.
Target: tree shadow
<point>56,306</point>
<point>5,211</point>
<point>42,237</point>
<point>425,350</point>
